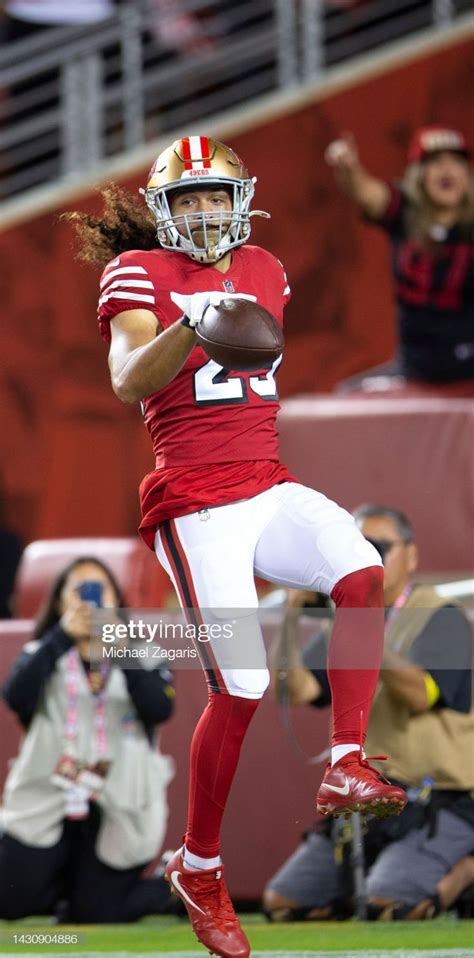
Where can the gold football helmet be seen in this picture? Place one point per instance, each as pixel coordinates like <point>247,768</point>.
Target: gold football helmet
<point>199,162</point>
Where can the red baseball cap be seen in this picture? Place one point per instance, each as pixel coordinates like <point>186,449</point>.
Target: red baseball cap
<point>432,139</point>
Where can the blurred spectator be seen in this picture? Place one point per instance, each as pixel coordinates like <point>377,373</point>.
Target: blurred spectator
<point>429,219</point>
<point>84,807</point>
<point>423,710</point>
<point>175,29</point>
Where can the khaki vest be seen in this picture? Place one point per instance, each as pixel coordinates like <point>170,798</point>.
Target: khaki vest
<point>439,744</point>
<point>133,799</point>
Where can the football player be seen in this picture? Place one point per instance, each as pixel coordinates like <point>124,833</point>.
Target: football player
<point>220,507</point>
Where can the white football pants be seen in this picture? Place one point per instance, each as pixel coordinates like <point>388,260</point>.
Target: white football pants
<point>289,535</point>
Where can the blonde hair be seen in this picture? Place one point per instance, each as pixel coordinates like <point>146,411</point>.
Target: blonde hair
<point>420,216</point>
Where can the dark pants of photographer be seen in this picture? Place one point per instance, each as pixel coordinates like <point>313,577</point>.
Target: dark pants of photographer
<point>33,881</point>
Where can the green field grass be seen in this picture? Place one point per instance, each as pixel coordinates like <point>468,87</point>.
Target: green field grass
<point>165,936</point>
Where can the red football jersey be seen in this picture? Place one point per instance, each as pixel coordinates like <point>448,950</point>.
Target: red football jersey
<point>206,416</point>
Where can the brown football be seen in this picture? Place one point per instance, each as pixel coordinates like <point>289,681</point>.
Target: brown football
<point>239,334</point>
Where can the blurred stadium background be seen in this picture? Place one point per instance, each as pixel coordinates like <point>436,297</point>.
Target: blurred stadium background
<point>277,80</point>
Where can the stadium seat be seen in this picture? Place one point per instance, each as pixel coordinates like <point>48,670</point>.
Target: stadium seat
<point>144,583</point>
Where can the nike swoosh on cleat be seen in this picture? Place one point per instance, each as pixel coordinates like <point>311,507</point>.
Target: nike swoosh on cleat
<point>175,881</point>
<point>338,789</point>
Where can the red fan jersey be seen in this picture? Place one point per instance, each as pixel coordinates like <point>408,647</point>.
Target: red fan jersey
<point>213,430</point>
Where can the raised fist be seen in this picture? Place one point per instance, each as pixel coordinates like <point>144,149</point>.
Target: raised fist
<point>342,153</point>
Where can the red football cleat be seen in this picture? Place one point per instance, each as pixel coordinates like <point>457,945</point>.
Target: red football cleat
<point>352,785</point>
<point>209,907</point>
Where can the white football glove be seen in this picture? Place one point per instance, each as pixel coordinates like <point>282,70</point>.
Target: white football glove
<point>193,306</point>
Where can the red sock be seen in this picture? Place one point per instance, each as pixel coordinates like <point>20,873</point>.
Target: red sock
<point>215,751</point>
<point>355,653</point>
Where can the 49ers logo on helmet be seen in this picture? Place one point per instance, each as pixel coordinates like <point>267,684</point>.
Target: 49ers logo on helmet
<point>190,173</point>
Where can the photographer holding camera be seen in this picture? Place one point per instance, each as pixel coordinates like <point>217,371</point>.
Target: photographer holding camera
<point>423,712</point>
<point>84,807</point>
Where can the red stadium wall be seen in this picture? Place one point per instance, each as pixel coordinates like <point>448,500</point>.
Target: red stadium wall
<point>72,455</point>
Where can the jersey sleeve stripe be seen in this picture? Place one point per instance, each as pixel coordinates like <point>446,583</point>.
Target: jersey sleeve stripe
<point>132,297</point>
<point>131,284</point>
<point>120,271</point>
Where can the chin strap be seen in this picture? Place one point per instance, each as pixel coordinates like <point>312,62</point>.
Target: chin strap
<point>266,216</point>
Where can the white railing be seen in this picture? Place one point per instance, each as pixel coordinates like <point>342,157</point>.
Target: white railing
<point>74,96</point>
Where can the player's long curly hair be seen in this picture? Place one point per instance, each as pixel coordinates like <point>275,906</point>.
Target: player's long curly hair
<point>125,224</point>
<point>420,217</point>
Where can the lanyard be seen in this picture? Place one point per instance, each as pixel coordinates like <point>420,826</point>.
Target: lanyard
<point>397,605</point>
<point>72,715</point>
<point>395,609</point>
